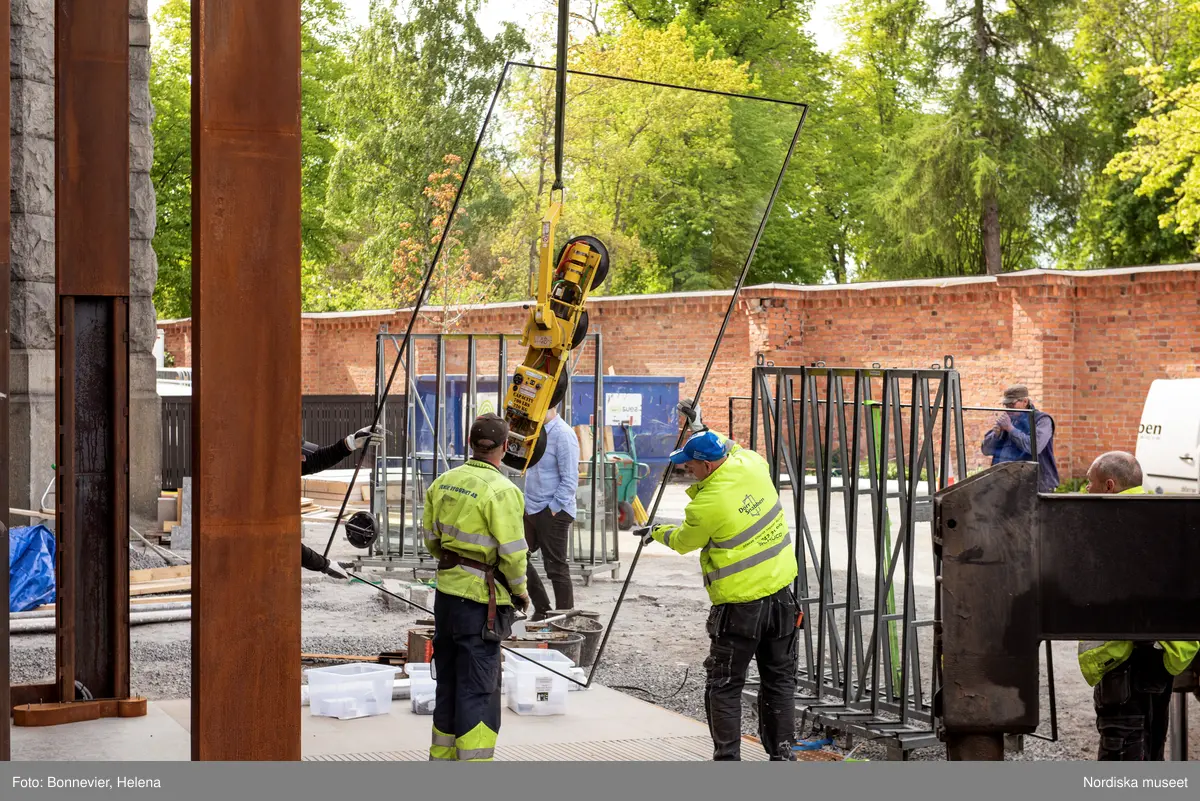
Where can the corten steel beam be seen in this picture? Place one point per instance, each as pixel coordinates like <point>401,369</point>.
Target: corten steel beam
<point>1019,568</point>
<point>246,352</point>
<point>92,263</point>
<point>5,275</point>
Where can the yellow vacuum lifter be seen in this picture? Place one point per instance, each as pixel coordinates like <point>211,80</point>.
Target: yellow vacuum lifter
<point>557,324</point>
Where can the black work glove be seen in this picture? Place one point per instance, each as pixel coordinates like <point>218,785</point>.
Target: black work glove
<point>334,570</point>
<point>645,533</point>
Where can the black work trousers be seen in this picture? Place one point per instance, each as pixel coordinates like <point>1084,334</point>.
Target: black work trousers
<point>550,533</point>
<point>764,630</point>
<point>1133,706</point>
<point>466,715</point>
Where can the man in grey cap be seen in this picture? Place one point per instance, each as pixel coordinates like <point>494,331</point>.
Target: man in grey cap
<point>1009,439</point>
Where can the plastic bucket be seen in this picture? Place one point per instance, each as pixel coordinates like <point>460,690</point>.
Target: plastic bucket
<point>591,631</point>
<point>567,643</point>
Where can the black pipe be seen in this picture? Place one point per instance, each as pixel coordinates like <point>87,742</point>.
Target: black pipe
<point>560,89</point>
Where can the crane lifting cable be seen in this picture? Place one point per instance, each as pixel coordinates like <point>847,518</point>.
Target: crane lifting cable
<point>557,321</point>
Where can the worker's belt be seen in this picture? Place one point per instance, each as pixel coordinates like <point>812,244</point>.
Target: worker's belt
<point>493,631</point>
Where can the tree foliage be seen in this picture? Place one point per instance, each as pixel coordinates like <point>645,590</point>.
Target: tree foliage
<point>323,63</point>
<point>956,138</point>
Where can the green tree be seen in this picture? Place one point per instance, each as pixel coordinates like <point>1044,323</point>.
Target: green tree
<point>416,89</point>
<point>988,178</point>
<point>1118,221</point>
<point>807,236</point>
<point>1165,155</point>
<point>171,173</point>
<point>322,65</point>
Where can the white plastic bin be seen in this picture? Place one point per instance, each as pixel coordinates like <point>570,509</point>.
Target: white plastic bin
<point>357,690</point>
<point>422,687</point>
<point>534,690</point>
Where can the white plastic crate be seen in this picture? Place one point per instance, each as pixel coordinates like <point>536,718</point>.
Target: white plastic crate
<point>534,690</point>
<point>422,687</point>
<point>357,690</point>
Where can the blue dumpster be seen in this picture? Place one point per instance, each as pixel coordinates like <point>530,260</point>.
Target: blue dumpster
<point>650,401</point>
<point>454,435</point>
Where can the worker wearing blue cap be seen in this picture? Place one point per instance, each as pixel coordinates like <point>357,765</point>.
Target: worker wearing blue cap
<point>736,521</point>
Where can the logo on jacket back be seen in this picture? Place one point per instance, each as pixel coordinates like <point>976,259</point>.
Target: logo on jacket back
<point>751,506</point>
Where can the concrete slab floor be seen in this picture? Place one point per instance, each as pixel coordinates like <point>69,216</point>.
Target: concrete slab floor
<point>594,716</point>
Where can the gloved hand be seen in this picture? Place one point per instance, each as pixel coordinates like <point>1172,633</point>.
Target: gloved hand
<point>367,434</point>
<point>646,533</point>
<point>334,570</point>
<point>521,601</point>
<point>691,413</point>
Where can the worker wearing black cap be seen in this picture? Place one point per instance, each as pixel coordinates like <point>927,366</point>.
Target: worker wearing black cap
<point>314,459</point>
<point>473,526</point>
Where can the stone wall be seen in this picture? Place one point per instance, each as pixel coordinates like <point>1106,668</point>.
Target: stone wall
<point>33,267</point>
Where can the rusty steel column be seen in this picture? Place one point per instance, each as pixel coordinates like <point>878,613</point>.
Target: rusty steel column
<point>91,154</point>
<point>246,367</point>
<point>5,300</point>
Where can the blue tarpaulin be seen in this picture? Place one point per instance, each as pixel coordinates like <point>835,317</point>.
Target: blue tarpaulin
<point>30,568</point>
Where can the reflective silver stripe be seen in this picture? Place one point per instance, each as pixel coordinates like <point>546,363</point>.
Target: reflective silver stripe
<point>517,584</point>
<point>476,753</point>
<point>751,532</point>
<point>748,562</point>
<point>473,572</point>
<point>486,540</point>
<point>514,546</point>
<point>667,537</point>
<point>446,740</point>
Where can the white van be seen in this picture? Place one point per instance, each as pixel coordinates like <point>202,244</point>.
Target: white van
<point>1168,444</point>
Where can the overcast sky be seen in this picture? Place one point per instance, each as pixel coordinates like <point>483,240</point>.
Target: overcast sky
<point>826,31</point>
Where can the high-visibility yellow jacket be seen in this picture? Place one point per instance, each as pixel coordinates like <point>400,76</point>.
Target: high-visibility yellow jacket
<point>476,512</point>
<point>1096,658</point>
<point>736,520</point>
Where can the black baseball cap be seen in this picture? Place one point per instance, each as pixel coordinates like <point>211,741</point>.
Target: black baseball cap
<point>488,432</point>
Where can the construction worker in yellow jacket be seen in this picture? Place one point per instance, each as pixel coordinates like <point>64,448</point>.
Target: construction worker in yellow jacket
<point>474,527</point>
<point>1133,680</point>
<point>736,521</point>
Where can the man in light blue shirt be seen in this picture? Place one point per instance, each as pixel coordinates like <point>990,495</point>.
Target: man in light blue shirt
<point>550,487</point>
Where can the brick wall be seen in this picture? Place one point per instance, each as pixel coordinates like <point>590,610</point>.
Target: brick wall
<point>1087,344</point>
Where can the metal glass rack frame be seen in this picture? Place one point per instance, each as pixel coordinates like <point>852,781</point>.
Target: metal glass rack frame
<point>398,482</point>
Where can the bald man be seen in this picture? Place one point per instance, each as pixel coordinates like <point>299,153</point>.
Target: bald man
<point>1133,680</point>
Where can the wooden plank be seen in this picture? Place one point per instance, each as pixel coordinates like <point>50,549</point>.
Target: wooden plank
<point>164,599</point>
<point>159,573</point>
<point>160,587</point>
<point>169,599</point>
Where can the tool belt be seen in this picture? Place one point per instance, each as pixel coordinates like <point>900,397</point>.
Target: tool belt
<point>499,625</point>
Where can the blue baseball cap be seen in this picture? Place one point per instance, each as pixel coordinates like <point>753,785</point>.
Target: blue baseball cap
<point>703,447</point>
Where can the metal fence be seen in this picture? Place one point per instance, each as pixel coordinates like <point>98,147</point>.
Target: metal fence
<point>326,419</point>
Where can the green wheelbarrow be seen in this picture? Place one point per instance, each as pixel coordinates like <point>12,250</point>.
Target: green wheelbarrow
<point>629,472</point>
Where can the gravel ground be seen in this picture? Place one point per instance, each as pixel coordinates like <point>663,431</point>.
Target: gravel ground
<point>658,645</point>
